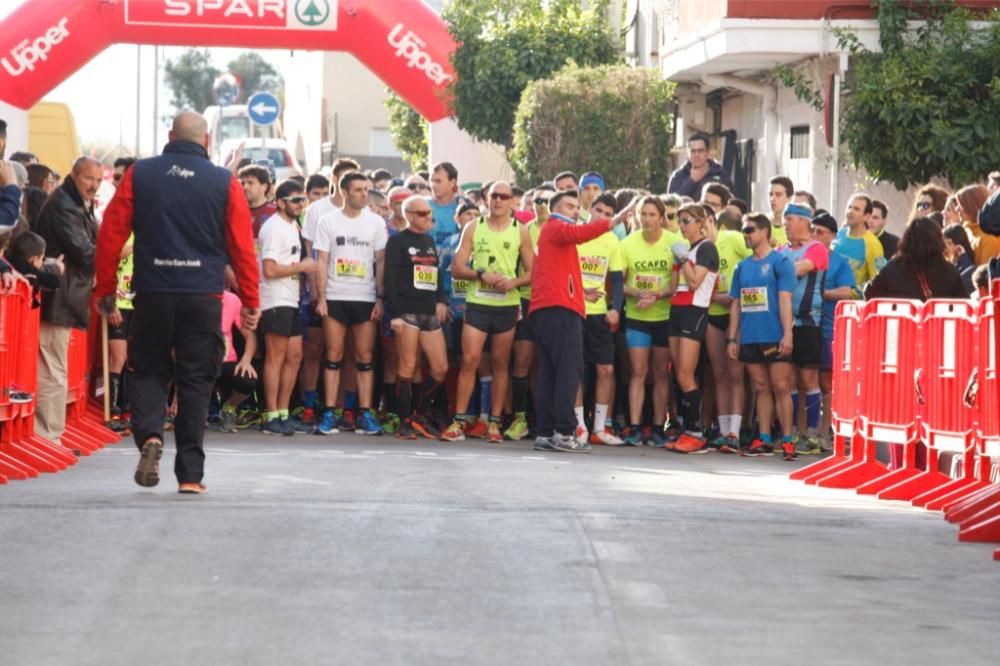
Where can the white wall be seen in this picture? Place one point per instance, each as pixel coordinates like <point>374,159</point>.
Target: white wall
<point>475,161</point>
<point>17,127</point>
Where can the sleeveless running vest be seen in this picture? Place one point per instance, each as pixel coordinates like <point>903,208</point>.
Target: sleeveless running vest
<point>496,252</point>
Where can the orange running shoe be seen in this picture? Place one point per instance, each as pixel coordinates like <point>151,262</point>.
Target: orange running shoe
<point>687,443</point>
<point>478,429</point>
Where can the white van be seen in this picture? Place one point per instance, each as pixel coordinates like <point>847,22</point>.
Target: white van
<point>231,122</point>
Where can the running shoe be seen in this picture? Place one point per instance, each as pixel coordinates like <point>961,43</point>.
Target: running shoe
<point>406,431</point>
<point>656,438</point>
<point>476,429</point>
<point>328,425</point>
<point>19,397</point>
<point>757,448</point>
<point>581,434</point>
<point>390,423</point>
<point>367,424</point>
<point>673,431</point>
<point>305,419</point>
<point>493,434</point>
<point>716,443</point>
<point>788,451</point>
<point>277,426</point>
<point>543,444</point>
<point>346,418</point>
<point>607,438</point>
<point>117,425</point>
<point>454,433</point>
<point>569,444</point>
<point>227,420</point>
<point>247,418</point>
<point>518,429</point>
<point>688,443</point>
<point>808,446</point>
<point>425,428</point>
<point>633,437</point>
<point>731,444</point>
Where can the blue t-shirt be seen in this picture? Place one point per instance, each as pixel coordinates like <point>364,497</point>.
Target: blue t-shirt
<point>444,221</point>
<point>838,275</point>
<point>756,283</point>
<point>446,257</point>
<point>807,299</point>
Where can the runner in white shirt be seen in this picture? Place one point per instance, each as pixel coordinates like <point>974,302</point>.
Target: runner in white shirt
<point>350,247</point>
<point>281,263</point>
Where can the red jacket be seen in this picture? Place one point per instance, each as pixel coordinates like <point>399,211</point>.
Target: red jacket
<point>117,226</point>
<point>556,281</point>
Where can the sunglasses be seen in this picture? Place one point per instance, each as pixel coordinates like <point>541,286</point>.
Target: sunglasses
<point>671,216</point>
<point>502,197</point>
<point>419,213</point>
<point>687,220</point>
<point>413,187</point>
<point>297,199</point>
<point>749,230</point>
<point>541,201</point>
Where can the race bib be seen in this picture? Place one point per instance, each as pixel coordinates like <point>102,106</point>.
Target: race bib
<point>649,282</point>
<point>753,299</point>
<point>484,290</point>
<point>425,277</point>
<point>353,270</point>
<point>722,284</point>
<point>593,269</point>
<point>460,288</point>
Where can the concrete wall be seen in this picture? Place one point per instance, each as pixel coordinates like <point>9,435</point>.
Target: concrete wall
<point>17,127</point>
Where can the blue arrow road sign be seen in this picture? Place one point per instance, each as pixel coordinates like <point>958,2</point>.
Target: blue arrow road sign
<point>263,108</point>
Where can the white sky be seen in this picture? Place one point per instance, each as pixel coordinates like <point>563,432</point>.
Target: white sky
<point>102,94</point>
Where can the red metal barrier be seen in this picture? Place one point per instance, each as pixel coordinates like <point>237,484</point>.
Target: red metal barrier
<point>890,335</point>
<point>844,398</point>
<point>985,396</point>
<point>948,361</point>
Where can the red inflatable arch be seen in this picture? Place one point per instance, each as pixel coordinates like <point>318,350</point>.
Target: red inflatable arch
<point>402,41</point>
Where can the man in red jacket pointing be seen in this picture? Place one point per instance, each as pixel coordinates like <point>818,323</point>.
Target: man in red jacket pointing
<point>190,220</point>
<point>557,311</point>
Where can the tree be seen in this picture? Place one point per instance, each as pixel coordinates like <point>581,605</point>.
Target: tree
<point>409,131</point>
<point>190,79</point>
<point>613,119</point>
<point>928,104</point>
<point>255,74</point>
<point>506,44</point>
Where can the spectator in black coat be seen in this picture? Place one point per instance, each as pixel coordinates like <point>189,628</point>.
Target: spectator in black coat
<point>919,270</point>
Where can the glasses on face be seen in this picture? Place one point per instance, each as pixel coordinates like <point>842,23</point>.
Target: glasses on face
<point>686,220</point>
<point>501,196</point>
<point>923,205</point>
<point>420,213</point>
<point>541,201</point>
<point>671,216</point>
<point>415,187</point>
<point>748,230</point>
<point>296,199</point>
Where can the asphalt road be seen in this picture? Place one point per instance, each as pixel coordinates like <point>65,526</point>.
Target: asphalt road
<point>351,550</point>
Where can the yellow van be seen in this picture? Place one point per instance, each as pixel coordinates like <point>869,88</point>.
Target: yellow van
<point>52,136</point>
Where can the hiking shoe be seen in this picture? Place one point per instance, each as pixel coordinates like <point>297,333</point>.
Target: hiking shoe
<point>581,434</point>
<point>227,420</point>
<point>788,451</point>
<point>493,434</point>
<point>425,428</point>
<point>569,444</point>
<point>406,431</point>
<point>476,429</point>
<point>688,443</point>
<point>543,444</point>
<point>633,437</point>
<point>247,418</point>
<point>518,429</point>
<point>730,444</point>
<point>328,425</point>
<point>757,448</point>
<point>147,473</point>
<point>390,423</point>
<point>656,438</point>
<point>808,446</point>
<point>277,426</point>
<point>606,437</point>
<point>454,433</point>
<point>367,424</point>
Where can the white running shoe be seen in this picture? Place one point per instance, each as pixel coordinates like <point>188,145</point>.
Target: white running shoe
<point>607,438</point>
<point>581,435</point>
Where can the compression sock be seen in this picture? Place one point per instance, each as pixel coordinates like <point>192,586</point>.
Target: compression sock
<point>350,400</point>
<point>389,397</point>
<point>404,397</point>
<point>814,402</point>
<point>519,396</point>
<point>485,397</point>
<point>309,399</point>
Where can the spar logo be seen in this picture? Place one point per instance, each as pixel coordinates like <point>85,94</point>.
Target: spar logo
<point>411,48</point>
<point>311,13</point>
<point>30,52</point>
<point>255,14</point>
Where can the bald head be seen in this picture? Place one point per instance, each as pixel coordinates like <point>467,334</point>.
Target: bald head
<point>87,175</point>
<point>189,126</point>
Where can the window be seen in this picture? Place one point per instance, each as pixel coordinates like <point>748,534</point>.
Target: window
<point>800,143</point>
